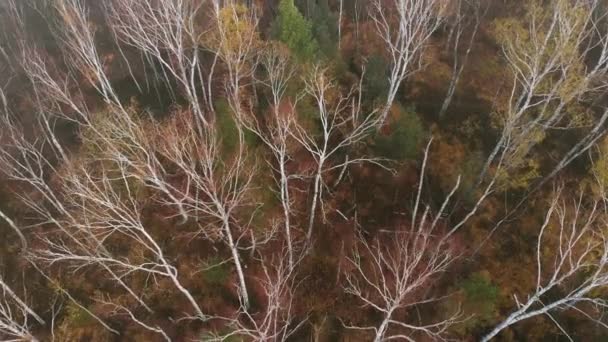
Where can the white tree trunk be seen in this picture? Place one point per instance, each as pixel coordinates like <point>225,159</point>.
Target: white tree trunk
<point>25,307</point>
<point>286,211</point>
<point>382,328</point>
<point>15,229</point>
<point>313,205</point>
<point>237,263</point>
<point>340,24</point>
<point>186,293</point>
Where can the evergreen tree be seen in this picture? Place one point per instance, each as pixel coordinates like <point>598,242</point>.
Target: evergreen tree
<point>325,28</point>
<point>291,28</point>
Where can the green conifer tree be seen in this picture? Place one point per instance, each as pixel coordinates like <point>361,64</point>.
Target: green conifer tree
<point>291,28</point>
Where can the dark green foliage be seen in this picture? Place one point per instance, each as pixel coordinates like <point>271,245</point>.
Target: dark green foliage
<point>481,297</point>
<point>480,290</point>
<point>291,28</point>
<point>403,141</point>
<point>226,126</point>
<point>375,81</point>
<point>324,25</point>
<point>228,130</point>
<point>216,275</point>
<point>308,114</point>
<point>325,28</point>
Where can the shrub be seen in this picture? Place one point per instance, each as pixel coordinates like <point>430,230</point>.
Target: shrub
<point>407,133</point>
<point>480,300</point>
<point>227,128</point>
<point>216,275</point>
<point>77,316</point>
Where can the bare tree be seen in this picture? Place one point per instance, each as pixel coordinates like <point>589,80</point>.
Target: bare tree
<point>276,132</point>
<point>340,117</point>
<point>131,146</point>
<point>101,209</point>
<point>389,274</point>
<point>76,33</point>
<point>235,40</point>
<point>571,263</point>
<point>121,133</point>
<point>340,12</point>
<point>167,32</point>
<point>23,162</point>
<point>15,228</point>
<point>14,316</point>
<point>87,210</point>
<point>275,320</point>
<point>123,310</point>
<point>405,27</point>
<point>217,186</point>
<point>461,24</point>
<point>4,119</point>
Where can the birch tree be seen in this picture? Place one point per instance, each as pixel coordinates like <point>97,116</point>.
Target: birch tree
<point>339,116</point>
<point>77,34</point>
<point>236,40</point>
<point>108,214</point>
<point>216,188</point>
<point>405,27</point>
<point>3,216</point>
<point>132,146</point>
<point>15,314</point>
<point>167,32</point>
<point>87,212</point>
<point>275,319</point>
<point>24,163</point>
<point>74,241</point>
<point>547,56</point>
<point>275,133</point>
<point>571,264</point>
<point>461,24</point>
<point>389,273</point>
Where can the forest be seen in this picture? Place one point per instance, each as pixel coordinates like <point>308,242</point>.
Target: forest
<point>303,170</point>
